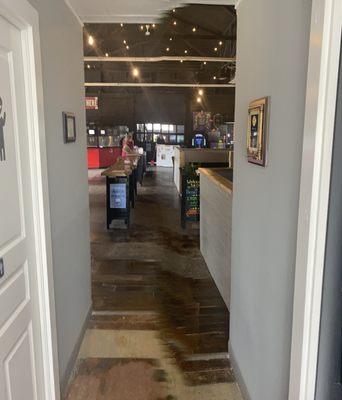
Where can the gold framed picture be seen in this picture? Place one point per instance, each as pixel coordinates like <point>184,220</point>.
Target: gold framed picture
<point>257,135</point>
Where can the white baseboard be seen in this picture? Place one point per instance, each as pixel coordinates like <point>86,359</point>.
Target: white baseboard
<point>238,376</point>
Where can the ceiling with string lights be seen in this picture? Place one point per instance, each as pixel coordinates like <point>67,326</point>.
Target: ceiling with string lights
<point>202,32</point>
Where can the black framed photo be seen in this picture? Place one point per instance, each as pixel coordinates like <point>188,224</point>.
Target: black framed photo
<point>69,127</point>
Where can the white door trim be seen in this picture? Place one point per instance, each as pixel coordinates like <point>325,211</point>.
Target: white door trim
<point>325,40</point>
<point>22,15</point>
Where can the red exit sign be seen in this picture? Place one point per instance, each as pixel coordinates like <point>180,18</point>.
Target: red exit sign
<point>92,103</point>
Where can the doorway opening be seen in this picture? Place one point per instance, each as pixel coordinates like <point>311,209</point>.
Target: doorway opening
<point>160,307</point>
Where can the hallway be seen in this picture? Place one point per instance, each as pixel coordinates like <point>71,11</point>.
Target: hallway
<point>159,328</point>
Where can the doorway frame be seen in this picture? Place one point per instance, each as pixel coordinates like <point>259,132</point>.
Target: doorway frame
<point>322,81</point>
<point>24,17</point>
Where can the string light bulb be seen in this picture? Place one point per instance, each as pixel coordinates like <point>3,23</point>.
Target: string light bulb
<point>181,61</point>
<point>135,72</point>
<point>174,22</point>
<point>141,27</point>
<point>107,55</point>
<point>168,49</point>
<point>170,39</point>
<point>185,51</point>
<point>200,92</point>
<point>88,66</point>
<point>127,47</point>
<point>121,24</point>
<point>214,77</point>
<point>91,40</point>
<point>205,63</point>
<point>153,25</point>
<point>124,42</point>
<point>199,100</point>
<point>194,29</point>
<point>174,10</point>
<point>215,48</point>
<point>220,43</point>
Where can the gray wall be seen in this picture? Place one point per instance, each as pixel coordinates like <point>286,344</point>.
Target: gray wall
<point>273,43</point>
<point>62,52</point>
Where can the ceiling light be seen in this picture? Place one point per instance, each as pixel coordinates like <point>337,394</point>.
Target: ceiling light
<point>215,48</point>
<point>107,55</point>
<point>127,47</point>
<point>168,49</point>
<point>121,24</point>
<point>153,25</point>
<point>88,66</point>
<point>200,92</point>
<point>142,27</point>
<point>199,99</point>
<point>124,42</point>
<point>220,43</point>
<point>135,72</point>
<point>205,63</point>
<point>174,10</point>
<point>91,40</point>
<point>214,77</point>
<point>174,22</point>
<point>170,39</point>
<point>181,61</point>
<point>194,29</point>
<point>185,51</point>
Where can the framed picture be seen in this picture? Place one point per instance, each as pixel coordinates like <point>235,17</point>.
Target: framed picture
<point>69,127</point>
<point>257,135</point>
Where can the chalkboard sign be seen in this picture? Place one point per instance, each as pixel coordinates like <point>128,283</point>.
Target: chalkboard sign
<point>190,197</point>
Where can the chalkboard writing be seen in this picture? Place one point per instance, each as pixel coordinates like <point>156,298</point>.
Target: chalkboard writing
<point>192,199</point>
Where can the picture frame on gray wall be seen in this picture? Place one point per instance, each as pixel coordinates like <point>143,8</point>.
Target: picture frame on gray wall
<point>69,127</point>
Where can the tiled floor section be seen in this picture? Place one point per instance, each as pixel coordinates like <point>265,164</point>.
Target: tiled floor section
<point>159,328</point>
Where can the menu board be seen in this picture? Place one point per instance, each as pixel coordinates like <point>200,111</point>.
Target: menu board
<point>117,195</point>
<point>192,199</point>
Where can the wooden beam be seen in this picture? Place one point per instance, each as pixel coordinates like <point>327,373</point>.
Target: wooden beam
<point>129,59</point>
<point>148,84</point>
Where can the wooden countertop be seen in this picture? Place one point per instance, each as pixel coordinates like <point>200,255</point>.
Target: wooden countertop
<point>123,166</point>
<point>219,180</point>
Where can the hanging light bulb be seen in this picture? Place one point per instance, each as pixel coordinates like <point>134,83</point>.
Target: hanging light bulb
<point>153,25</point>
<point>199,99</point>
<point>200,92</point>
<point>121,24</point>
<point>185,51</point>
<point>205,63</point>
<point>141,27</point>
<point>88,66</point>
<point>135,72</point>
<point>215,48</point>
<point>214,77</point>
<point>124,42</point>
<point>174,10</point>
<point>91,40</point>
<point>107,55</point>
<point>174,22</point>
<point>127,47</point>
<point>194,29</point>
<point>170,39</point>
<point>220,43</point>
<point>168,49</point>
<point>181,61</point>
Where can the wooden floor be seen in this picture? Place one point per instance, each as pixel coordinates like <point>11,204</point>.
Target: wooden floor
<point>152,277</point>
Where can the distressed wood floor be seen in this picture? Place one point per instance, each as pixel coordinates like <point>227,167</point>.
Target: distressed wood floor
<point>152,277</point>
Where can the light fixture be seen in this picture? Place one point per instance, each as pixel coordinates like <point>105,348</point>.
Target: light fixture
<point>91,40</point>
<point>220,43</point>
<point>107,55</point>
<point>174,22</point>
<point>88,66</point>
<point>135,72</point>
<point>168,49</point>
<point>142,27</point>
<point>170,39</point>
<point>181,61</point>
<point>121,24</point>
<point>127,47</point>
<point>124,42</point>
<point>200,92</point>
<point>199,99</point>
<point>205,63</point>
<point>215,48</point>
<point>153,25</point>
<point>174,10</point>
<point>185,51</point>
<point>194,29</point>
<point>214,77</point>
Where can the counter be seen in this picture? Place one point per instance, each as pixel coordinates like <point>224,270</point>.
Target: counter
<point>216,196</point>
<point>184,155</point>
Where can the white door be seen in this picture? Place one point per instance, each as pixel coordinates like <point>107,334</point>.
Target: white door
<point>20,349</point>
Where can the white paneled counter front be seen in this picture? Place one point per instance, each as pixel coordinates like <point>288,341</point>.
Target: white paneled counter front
<point>216,196</point>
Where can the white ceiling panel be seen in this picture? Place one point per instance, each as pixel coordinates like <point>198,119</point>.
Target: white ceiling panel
<point>129,11</point>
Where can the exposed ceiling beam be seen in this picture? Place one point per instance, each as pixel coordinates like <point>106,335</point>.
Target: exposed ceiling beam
<point>199,36</point>
<point>147,84</point>
<point>160,59</point>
